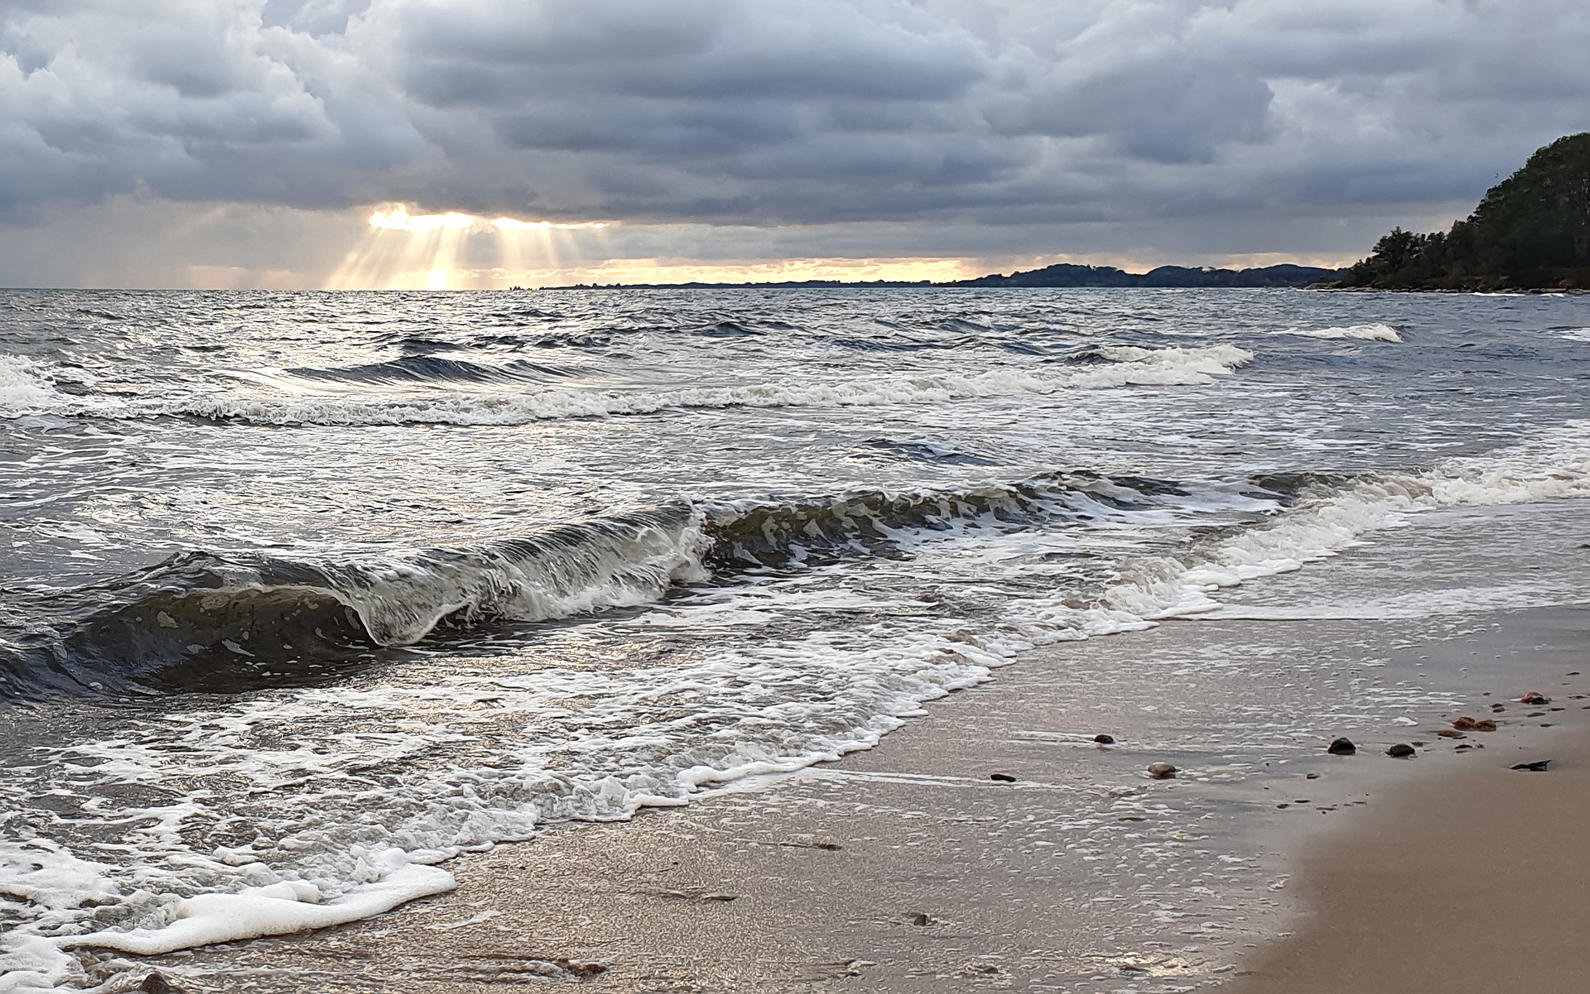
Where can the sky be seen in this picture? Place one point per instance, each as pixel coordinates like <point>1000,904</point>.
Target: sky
<point>485,143</point>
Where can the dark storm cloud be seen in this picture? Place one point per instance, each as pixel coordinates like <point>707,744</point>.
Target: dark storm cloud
<point>824,111</point>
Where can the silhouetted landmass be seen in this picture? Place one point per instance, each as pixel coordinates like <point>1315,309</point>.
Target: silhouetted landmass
<point>1530,232</point>
<point>1061,275</point>
<point>1067,274</point>
<point>780,285</point>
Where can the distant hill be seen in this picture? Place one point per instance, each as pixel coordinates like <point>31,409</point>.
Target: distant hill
<point>1531,231</point>
<point>1059,275</point>
<point>768,285</point>
<point>1067,274</point>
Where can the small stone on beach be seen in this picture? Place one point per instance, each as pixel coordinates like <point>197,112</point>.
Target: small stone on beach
<point>1161,771</point>
<point>1539,766</point>
<point>1002,777</point>
<point>1103,739</point>
<point>578,969</point>
<point>1401,750</point>
<point>1534,697</point>
<point>156,983</point>
<point>1449,733</point>
<point>1341,747</point>
<point>1464,724</point>
<point>1485,725</point>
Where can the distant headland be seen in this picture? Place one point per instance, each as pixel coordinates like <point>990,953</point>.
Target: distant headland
<point>1530,232</point>
<point>1059,275</point>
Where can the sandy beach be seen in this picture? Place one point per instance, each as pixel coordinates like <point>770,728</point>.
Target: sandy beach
<point>907,868</point>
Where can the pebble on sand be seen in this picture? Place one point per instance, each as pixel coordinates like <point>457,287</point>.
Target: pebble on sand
<point>1539,766</point>
<point>1341,747</point>
<point>1401,750</point>
<point>1534,697</point>
<point>1002,777</point>
<point>156,983</point>
<point>1485,725</point>
<point>578,969</point>
<point>1464,724</point>
<point>1104,739</point>
<point>1161,771</point>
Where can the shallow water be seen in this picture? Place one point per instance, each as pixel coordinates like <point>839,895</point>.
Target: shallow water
<point>301,594</point>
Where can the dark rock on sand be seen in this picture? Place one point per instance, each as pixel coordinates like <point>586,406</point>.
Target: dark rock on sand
<point>1002,777</point>
<point>1534,697</point>
<point>1449,733</point>
<point>1341,747</point>
<point>1485,725</point>
<point>580,970</point>
<point>156,983</point>
<point>1463,724</point>
<point>1103,739</point>
<point>1401,750</point>
<point>1539,766</point>
<point>1161,771</point>
<point>920,919</point>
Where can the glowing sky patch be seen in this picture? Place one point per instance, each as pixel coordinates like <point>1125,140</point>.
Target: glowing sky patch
<point>404,250</point>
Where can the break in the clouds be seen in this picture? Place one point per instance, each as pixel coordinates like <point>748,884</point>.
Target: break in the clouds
<point>149,137</point>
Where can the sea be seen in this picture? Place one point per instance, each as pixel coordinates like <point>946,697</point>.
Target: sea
<point>302,595</point>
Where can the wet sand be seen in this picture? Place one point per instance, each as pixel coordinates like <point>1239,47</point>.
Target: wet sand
<point>907,868</point>
<point>1472,880</point>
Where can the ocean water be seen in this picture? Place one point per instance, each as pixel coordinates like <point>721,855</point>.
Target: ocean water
<point>302,594</point>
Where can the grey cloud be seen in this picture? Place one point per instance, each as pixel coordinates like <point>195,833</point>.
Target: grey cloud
<point>951,114</point>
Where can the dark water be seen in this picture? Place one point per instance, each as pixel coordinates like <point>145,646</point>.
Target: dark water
<point>314,590</point>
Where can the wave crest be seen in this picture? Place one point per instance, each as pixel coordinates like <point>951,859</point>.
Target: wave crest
<point>1365,332</point>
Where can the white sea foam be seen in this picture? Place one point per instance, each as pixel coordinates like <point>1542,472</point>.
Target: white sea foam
<point>274,909</point>
<point>25,387</point>
<point>1365,332</point>
<point>1577,334</point>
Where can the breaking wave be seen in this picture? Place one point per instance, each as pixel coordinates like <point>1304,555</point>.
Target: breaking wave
<point>211,622</point>
<point>433,369</point>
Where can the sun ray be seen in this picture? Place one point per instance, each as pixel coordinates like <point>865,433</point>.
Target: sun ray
<point>400,249</point>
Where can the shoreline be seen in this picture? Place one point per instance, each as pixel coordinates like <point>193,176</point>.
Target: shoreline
<point>907,868</point>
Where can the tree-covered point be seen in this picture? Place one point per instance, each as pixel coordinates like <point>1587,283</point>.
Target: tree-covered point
<point>1531,231</point>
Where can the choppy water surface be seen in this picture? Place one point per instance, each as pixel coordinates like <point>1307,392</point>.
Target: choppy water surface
<point>301,594</point>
